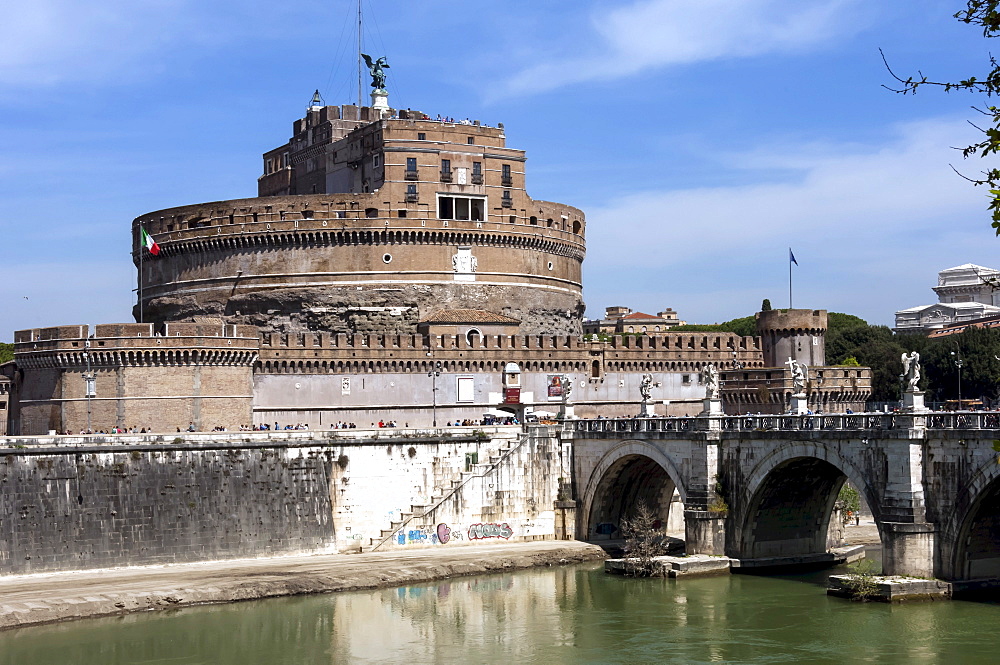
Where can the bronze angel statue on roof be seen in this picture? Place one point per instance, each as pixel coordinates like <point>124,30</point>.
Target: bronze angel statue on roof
<point>375,69</point>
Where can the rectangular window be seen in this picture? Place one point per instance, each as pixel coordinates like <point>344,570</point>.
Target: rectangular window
<point>477,168</point>
<point>445,166</point>
<point>466,389</point>
<point>411,163</point>
<point>376,161</point>
<point>471,140</point>
<point>421,136</point>
<point>505,172</point>
<point>411,189</point>
<point>461,207</point>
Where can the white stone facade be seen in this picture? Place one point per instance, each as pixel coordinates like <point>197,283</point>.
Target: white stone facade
<point>965,293</point>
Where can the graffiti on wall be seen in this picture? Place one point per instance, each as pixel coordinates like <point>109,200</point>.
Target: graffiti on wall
<point>483,531</point>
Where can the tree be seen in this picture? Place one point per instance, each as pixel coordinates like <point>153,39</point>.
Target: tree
<point>766,305</point>
<point>983,13</point>
<point>644,541</point>
<point>6,352</point>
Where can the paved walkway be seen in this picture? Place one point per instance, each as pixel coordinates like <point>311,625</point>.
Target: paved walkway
<point>47,597</point>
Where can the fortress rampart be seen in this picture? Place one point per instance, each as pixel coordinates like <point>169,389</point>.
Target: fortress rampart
<point>309,262</point>
<point>793,333</point>
<point>145,375</point>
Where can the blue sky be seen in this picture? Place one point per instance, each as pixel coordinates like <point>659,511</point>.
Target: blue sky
<point>701,137</point>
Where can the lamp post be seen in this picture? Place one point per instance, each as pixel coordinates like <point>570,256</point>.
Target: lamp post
<point>737,365</point>
<point>89,382</point>
<point>434,374</point>
<point>958,363</point>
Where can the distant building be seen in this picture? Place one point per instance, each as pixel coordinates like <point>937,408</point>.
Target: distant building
<point>618,320</point>
<point>966,293</point>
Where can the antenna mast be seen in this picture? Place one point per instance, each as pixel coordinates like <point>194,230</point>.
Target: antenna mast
<point>359,60</point>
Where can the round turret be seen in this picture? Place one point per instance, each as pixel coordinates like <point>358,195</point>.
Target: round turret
<point>799,334</point>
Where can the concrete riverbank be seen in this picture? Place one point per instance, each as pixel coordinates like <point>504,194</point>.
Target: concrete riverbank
<point>49,597</point>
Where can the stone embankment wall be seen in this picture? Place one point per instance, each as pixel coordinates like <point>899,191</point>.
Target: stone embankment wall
<point>93,502</point>
<point>521,491</point>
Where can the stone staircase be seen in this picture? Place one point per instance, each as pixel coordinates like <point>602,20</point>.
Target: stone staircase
<point>416,511</point>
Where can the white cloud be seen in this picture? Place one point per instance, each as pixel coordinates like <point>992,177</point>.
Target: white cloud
<point>871,226</point>
<point>649,34</point>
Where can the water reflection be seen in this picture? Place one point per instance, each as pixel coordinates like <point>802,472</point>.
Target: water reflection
<point>552,616</point>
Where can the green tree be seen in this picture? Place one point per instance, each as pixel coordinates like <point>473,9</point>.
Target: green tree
<point>985,14</point>
<point>978,349</point>
<point>6,352</point>
<point>766,305</point>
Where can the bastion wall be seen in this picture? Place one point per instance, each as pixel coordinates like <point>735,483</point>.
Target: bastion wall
<point>160,377</point>
<point>74,503</point>
<point>353,263</point>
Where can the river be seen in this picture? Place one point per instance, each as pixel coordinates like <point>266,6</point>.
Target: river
<point>555,616</point>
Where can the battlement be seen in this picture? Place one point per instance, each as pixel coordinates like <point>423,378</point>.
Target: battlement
<point>126,344</point>
<point>812,321</point>
<point>342,212</point>
<point>698,342</point>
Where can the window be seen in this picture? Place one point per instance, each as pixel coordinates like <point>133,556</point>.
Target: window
<point>471,141</point>
<point>371,212</point>
<point>505,200</point>
<point>505,179</point>
<point>411,194</point>
<point>376,161</point>
<point>411,163</point>
<point>461,207</point>
<point>477,168</point>
<point>466,389</point>
<point>421,136</point>
<point>411,189</point>
<point>686,379</point>
<point>445,166</point>
<point>400,213</point>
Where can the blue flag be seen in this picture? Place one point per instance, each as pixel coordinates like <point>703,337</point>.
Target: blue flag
<point>791,257</point>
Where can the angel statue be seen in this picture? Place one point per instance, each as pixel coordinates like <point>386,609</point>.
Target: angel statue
<point>646,387</point>
<point>710,375</point>
<point>911,371</point>
<point>375,68</point>
<point>799,375</point>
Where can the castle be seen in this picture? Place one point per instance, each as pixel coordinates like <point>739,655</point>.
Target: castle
<point>390,267</point>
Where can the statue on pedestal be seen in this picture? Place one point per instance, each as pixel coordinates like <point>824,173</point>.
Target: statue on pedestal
<point>646,387</point>
<point>911,371</point>
<point>710,375</point>
<point>375,68</point>
<point>799,376</point>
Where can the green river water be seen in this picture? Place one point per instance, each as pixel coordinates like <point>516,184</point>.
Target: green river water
<point>566,615</point>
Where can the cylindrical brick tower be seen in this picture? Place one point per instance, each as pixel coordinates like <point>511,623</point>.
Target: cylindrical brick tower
<point>401,220</point>
<point>799,334</point>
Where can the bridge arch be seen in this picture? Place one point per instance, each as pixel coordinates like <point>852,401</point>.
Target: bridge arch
<point>629,473</point>
<point>788,499</point>
<point>972,531</point>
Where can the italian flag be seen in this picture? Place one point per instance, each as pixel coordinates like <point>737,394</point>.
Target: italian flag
<point>149,243</point>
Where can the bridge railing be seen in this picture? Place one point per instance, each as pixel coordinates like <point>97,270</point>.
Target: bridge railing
<point>824,422</point>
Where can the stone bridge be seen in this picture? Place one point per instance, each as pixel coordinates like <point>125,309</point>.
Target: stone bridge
<point>762,488</point>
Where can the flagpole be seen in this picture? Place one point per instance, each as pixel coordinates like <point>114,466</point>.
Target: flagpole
<point>141,247</point>
<point>789,278</point>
